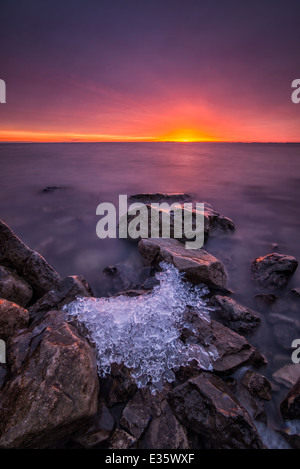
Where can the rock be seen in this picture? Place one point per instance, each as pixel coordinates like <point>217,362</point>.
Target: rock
<point>257,385</point>
<point>27,263</point>
<point>292,439</point>
<point>235,316</point>
<point>120,384</point>
<point>287,375</point>
<point>274,270</point>
<point>136,415</point>
<point>51,189</point>
<point>165,431</point>
<point>290,406</point>
<point>264,301</point>
<point>66,290</point>
<point>254,390</point>
<point>126,277</point>
<point>122,440</point>
<point>205,405</point>
<point>198,265</point>
<point>12,318</point>
<point>99,430</point>
<point>160,197</point>
<point>14,288</point>
<point>232,350</point>
<point>52,389</point>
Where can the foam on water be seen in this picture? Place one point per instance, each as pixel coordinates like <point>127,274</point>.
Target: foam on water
<point>144,332</point>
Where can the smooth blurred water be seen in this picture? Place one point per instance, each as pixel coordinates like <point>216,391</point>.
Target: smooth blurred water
<point>257,185</point>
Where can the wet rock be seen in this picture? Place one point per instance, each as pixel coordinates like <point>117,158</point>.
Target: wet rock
<point>136,415</point>
<point>160,197</point>
<point>165,431</point>
<point>235,316</point>
<point>206,406</point>
<point>232,350</point>
<point>198,265</point>
<point>66,290</point>
<point>290,407</point>
<point>122,440</point>
<point>120,384</point>
<point>53,385</point>
<point>257,385</point>
<point>274,270</point>
<point>49,189</point>
<point>28,264</point>
<point>287,375</point>
<point>99,430</point>
<point>12,318</point>
<point>292,439</point>
<point>126,277</point>
<point>254,390</point>
<point>14,288</point>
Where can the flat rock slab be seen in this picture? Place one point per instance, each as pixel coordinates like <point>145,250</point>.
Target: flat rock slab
<point>197,264</point>
<point>274,270</point>
<point>205,405</point>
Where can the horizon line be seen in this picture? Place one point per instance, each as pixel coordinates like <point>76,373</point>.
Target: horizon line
<point>149,141</point>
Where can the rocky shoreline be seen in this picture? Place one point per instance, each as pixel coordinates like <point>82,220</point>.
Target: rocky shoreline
<point>51,393</point>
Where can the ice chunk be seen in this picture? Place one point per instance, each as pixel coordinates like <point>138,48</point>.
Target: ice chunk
<point>144,332</point>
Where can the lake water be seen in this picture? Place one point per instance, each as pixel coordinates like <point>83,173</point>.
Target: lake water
<point>257,185</point>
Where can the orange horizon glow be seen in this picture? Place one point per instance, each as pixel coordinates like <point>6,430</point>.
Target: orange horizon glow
<point>185,136</point>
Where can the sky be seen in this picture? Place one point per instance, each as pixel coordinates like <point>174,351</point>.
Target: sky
<point>149,70</point>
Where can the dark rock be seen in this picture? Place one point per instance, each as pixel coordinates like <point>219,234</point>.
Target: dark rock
<point>122,440</point>
<point>121,385</point>
<point>235,316</point>
<point>126,277</point>
<point>66,290</point>
<point>53,385</point>
<point>27,263</point>
<point>51,189</point>
<point>233,350</point>
<point>99,430</point>
<point>292,439</point>
<point>160,197</point>
<point>254,390</point>
<point>198,265</point>
<point>165,432</point>
<point>12,318</point>
<point>274,270</point>
<point>206,405</point>
<point>290,406</point>
<point>136,415</point>
<point>14,288</point>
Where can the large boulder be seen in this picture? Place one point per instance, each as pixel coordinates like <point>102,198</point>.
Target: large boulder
<point>197,264</point>
<point>13,287</point>
<point>274,270</point>
<point>52,388</point>
<point>27,263</point>
<point>206,406</point>
<point>12,318</point>
<point>235,316</point>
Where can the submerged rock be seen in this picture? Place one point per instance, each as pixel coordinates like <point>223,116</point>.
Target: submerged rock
<point>13,287</point>
<point>287,375</point>
<point>52,387</point>
<point>255,389</point>
<point>27,263</point>
<point>235,316</point>
<point>12,318</point>
<point>205,405</point>
<point>197,264</point>
<point>274,270</point>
